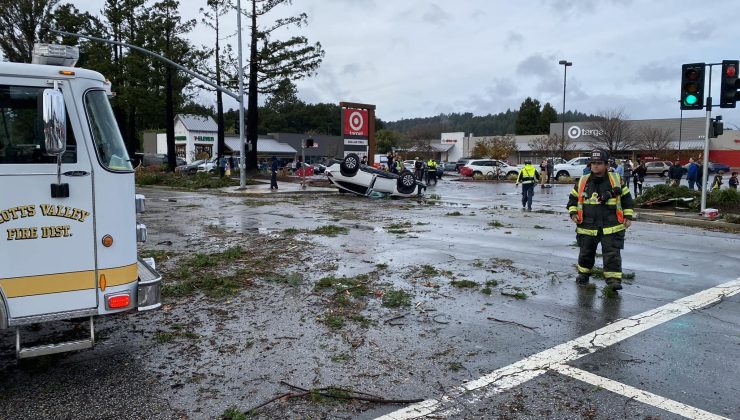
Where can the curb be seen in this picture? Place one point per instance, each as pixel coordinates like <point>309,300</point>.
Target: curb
<point>684,221</point>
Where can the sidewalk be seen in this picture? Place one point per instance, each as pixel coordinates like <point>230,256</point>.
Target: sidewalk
<point>283,187</point>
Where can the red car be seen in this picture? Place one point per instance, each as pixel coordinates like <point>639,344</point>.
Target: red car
<point>306,168</point>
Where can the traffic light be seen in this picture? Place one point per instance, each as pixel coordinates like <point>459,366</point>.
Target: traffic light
<point>730,84</point>
<point>692,86</point>
<point>717,128</point>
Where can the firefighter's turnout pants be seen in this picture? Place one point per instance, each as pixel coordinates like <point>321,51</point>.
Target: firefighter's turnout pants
<point>611,249</point>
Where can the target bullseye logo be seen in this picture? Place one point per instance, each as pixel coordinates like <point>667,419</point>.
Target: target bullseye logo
<point>356,121</point>
<point>574,132</point>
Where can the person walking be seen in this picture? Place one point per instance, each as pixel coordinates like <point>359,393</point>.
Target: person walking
<point>717,183</point>
<point>639,176</point>
<point>691,173</point>
<point>628,168</point>
<point>700,177</point>
<point>274,171</point>
<point>550,170</point>
<point>418,169</point>
<point>528,176</point>
<point>543,172</point>
<point>431,172</point>
<point>675,173</point>
<point>733,181</point>
<point>602,208</point>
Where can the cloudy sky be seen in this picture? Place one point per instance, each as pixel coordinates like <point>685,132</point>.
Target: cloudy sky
<point>414,58</point>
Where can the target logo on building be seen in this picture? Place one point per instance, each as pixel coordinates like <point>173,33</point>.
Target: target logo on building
<point>355,122</point>
<point>574,132</point>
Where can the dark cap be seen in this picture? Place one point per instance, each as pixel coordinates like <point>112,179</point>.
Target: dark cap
<point>528,161</point>
<point>598,155</point>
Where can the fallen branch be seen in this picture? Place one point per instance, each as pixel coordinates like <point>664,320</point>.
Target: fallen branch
<point>511,322</point>
<point>327,393</point>
<point>394,318</point>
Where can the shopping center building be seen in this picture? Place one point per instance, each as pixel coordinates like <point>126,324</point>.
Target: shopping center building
<point>685,136</point>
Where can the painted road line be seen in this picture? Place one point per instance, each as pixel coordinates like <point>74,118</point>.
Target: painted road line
<point>522,371</point>
<point>637,394</point>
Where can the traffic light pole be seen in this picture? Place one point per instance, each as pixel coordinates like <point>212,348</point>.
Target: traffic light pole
<point>705,163</point>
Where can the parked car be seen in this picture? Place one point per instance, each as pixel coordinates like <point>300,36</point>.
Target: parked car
<point>718,167</point>
<point>350,176</point>
<point>308,169</point>
<point>190,168</point>
<point>448,166</point>
<point>658,167</point>
<point>572,168</point>
<point>156,159</point>
<point>462,162</point>
<point>488,167</point>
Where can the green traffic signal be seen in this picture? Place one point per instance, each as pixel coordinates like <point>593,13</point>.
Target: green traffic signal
<point>692,86</point>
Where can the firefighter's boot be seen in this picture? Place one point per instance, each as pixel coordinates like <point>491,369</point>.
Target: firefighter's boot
<point>582,279</point>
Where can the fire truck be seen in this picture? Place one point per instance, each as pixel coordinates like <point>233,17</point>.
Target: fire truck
<point>68,207</point>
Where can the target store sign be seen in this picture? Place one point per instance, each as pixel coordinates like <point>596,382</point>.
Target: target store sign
<point>356,122</point>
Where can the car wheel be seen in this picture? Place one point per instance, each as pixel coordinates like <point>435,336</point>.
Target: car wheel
<point>663,174</point>
<point>562,174</point>
<point>406,182</point>
<point>350,165</point>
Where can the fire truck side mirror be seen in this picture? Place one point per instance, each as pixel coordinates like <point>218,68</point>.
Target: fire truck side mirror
<point>55,124</point>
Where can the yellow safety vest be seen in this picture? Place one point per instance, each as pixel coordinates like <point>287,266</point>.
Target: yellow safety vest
<point>617,200</point>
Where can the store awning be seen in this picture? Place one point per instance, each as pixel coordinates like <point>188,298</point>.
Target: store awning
<point>264,147</point>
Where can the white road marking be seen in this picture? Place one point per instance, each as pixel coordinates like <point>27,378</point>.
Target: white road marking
<point>637,394</point>
<point>529,368</point>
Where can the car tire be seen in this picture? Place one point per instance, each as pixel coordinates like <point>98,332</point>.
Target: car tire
<point>406,182</point>
<point>350,165</point>
<point>562,174</point>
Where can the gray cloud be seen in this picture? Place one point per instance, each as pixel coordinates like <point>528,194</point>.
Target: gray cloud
<point>698,31</point>
<point>657,72</point>
<point>435,15</point>
<point>537,66</point>
<point>514,38</point>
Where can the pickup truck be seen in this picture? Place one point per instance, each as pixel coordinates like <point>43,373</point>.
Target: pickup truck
<point>572,168</point>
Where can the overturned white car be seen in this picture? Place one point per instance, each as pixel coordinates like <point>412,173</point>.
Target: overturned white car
<point>349,175</point>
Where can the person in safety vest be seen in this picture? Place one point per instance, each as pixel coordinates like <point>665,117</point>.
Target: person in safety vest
<point>431,171</point>
<point>602,208</point>
<point>528,176</point>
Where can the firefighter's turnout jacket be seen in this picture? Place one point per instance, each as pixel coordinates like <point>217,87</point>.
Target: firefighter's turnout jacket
<point>593,214</point>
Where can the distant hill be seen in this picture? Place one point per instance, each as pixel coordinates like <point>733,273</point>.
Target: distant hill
<point>480,125</point>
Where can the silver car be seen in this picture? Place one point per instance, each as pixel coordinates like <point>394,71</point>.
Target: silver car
<point>658,167</point>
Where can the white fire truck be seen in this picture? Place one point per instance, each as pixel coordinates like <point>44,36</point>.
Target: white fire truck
<point>68,229</point>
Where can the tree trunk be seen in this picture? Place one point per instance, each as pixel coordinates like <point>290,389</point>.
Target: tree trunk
<point>170,116</point>
<point>220,146</point>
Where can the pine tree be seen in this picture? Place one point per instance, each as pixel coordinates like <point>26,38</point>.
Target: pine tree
<point>271,61</point>
<point>528,119</point>
<point>548,116</point>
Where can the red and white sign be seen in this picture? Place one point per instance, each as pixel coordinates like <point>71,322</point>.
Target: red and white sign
<point>355,122</point>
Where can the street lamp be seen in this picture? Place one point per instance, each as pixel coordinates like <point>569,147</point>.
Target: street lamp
<point>565,64</point>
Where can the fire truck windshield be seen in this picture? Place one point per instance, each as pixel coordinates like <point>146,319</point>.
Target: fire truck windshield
<point>109,145</point>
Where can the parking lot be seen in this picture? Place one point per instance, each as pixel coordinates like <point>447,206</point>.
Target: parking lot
<point>458,299</point>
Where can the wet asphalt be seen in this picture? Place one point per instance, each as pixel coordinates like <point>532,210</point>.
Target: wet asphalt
<point>270,332</point>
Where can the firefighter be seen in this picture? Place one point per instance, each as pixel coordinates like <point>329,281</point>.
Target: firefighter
<point>528,175</point>
<point>601,207</point>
